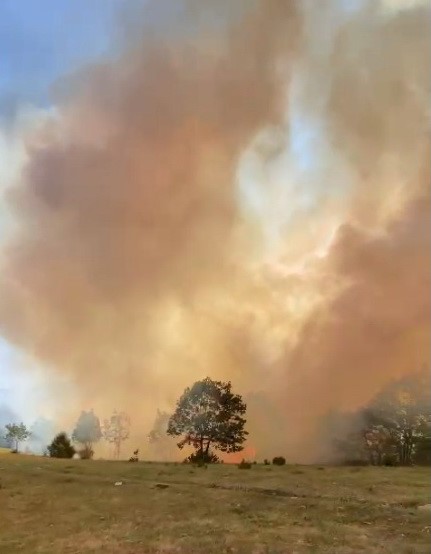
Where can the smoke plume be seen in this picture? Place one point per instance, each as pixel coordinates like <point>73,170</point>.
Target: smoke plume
<point>172,222</point>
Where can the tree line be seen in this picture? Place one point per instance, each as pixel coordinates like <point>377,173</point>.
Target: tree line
<point>393,429</point>
<point>208,417</point>
<point>87,433</point>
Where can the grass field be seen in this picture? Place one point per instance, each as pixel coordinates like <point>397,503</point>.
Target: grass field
<point>55,506</point>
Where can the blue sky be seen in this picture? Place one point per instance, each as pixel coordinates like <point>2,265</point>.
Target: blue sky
<point>41,40</point>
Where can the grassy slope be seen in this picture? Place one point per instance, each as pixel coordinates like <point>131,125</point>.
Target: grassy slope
<point>56,506</point>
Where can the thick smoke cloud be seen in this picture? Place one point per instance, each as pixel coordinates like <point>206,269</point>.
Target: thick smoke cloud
<point>136,266</point>
<point>373,331</point>
<point>127,210</point>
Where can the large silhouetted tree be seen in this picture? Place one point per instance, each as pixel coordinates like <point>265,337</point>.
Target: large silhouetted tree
<point>209,415</point>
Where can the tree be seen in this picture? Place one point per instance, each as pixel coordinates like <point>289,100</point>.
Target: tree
<point>116,430</point>
<point>209,414</point>
<point>423,451</point>
<point>87,432</point>
<point>395,426</point>
<point>17,432</point>
<point>378,444</point>
<point>400,418</point>
<point>61,447</point>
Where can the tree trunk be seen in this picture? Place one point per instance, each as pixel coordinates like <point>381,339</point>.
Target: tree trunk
<point>409,447</point>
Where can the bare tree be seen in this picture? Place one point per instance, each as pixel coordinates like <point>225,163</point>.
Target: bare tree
<point>116,430</point>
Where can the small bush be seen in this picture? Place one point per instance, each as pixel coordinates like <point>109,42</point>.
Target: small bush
<point>202,458</point>
<point>279,461</point>
<point>266,462</point>
<point>61,447</point>
<point>86,453</point>
<point>244,465</point>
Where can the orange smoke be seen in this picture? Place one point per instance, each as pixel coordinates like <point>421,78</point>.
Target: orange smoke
<point>248,454</point>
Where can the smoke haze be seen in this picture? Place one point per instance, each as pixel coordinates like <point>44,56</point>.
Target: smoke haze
<point>247,200</point>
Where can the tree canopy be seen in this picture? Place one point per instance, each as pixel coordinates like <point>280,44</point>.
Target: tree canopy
<point>395,427</point>
<point>87,430</point>
<point>61,447</point>
<point>209,415</point>
<point>17,432</point>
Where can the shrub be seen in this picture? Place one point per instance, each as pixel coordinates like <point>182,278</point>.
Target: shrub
<point>86,453</point>
<point>244,465</point>
<point>266,462</point>
<point>61,447</point>
<point>202,458</point>
<point>279,461</point>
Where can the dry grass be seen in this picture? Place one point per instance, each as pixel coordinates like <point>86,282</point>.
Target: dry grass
<point>62,506</point>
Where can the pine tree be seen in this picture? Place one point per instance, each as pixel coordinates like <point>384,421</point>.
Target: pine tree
<point>61,447</point>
